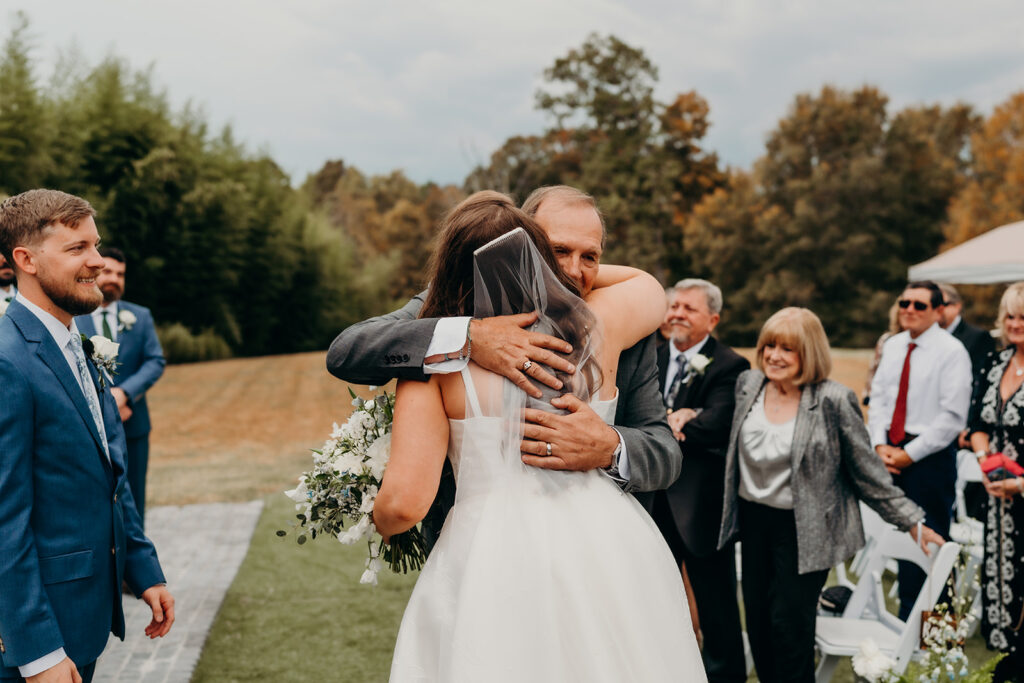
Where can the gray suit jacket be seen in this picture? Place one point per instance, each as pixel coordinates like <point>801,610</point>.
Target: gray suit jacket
<point>834,466</point>
<point>394,345</point>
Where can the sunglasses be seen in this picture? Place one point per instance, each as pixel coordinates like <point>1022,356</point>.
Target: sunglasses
<point>918,305</point>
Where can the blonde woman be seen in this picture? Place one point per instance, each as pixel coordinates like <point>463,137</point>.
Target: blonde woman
<point>996,427</point>
<point>799,459</point>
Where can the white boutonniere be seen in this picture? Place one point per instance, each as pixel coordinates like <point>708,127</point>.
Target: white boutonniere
<point>3,306</point>
<point>103,354</point>
<point>126,318</point>
<point>697,365</point>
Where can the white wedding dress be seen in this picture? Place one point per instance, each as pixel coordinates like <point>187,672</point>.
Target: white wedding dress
<point>541,576</point>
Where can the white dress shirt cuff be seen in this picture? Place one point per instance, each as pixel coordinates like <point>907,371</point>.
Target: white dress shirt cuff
<point>449,337</point>
<point>623,465</point>
<point>916,454</point>
<point>42,664</point>
<point>619,471</point>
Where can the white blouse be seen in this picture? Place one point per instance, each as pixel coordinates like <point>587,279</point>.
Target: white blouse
<point>765,458</point>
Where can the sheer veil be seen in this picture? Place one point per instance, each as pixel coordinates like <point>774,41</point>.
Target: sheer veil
<point>509,277</point>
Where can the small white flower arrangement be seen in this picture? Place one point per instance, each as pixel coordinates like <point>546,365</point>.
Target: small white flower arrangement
<point>103,354</point>
<point>126,319</point>
<point>700,363</point>
<point>343,485</point>
<point>872,665</point>
<point>3,305</point>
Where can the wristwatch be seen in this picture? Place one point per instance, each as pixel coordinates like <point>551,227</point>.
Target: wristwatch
<point>614,469</point>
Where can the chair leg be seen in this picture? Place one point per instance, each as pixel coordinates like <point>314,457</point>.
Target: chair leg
<point>826,668</point>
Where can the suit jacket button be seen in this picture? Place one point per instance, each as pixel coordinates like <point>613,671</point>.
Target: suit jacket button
<point>115,497</point>
<point>405,358</point>
<point>113,551</point>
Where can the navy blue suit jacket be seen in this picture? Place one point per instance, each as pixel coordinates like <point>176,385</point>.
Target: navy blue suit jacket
<point>140,363</point>
<point>69,531</point>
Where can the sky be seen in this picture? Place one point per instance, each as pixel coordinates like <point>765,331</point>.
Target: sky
<point>433,88</point>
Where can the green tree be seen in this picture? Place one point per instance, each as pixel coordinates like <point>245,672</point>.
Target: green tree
<point>640,158</point>
<point>24,124</point>
<point>844,199</point>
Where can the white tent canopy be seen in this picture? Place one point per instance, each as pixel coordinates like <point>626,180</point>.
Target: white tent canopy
<point>993,257</point>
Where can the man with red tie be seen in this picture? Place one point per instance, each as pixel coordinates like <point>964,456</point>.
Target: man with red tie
<point>920,396</point>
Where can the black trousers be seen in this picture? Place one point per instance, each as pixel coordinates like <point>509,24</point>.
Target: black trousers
<point>781,604</point>
<point>713,579</point>
<point>931,483</point>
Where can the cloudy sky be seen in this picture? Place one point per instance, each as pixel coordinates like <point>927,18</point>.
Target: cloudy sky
<point>434,87</point>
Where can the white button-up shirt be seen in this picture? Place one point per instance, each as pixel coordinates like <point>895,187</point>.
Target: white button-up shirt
<point>111,312</point>
<point>938,395</point>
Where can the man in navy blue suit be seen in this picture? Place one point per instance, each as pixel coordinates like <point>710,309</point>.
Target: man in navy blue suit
<point>69,530</point>
<point>140,362</point>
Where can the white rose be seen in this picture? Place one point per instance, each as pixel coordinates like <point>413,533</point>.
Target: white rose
<point>103,347</point>
<point>369,498</point>
<point>377,456</point>
<point>870,663</point>
<point>3,306</point>
<point>699,362</point>
<point>300,493</point>
<point>370,575</point>
<point>126,318</point>
<point>354,533</point>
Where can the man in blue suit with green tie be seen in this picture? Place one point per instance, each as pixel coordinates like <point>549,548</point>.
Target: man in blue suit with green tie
<point>140,363</point>
<point>69,530</point>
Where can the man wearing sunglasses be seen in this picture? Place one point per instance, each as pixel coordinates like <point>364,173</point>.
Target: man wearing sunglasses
<point>920,396</point>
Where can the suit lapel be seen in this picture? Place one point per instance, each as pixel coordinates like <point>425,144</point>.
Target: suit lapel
<point>54,359</point>
<point>804,423</point>
<point>745,401</point>
<point>691,390</point>
<point>85,325</point>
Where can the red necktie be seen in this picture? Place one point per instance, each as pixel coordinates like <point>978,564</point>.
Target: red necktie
<point>897,431</point>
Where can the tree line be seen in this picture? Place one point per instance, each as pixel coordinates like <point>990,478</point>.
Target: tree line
<point>235,260</point>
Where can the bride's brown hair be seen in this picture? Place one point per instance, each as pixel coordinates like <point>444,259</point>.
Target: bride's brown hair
<point>478,219</point>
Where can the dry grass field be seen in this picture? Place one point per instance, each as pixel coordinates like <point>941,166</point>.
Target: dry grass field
<point>239,429</point>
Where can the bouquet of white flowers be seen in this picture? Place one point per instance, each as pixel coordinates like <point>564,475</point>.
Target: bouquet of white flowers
<point>343,484</point>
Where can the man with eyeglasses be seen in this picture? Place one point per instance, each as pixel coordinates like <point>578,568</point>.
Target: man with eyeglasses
<point>920,396</point>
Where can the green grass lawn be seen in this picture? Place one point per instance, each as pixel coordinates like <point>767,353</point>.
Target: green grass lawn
<point>299,613</point>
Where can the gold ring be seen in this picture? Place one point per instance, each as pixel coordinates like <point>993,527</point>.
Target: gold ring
<point>547,445</point>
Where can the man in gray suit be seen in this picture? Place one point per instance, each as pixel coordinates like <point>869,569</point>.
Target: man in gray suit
<point>639,452</point>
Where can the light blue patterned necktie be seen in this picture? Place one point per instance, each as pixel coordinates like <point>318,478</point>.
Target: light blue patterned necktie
<point>677,381</point>
<point>89,389</point>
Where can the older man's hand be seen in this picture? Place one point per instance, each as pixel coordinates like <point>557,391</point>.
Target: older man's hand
<point>580,440</point>
<point>677,419</point>
<point>501,345</point>
<point>895,459</point>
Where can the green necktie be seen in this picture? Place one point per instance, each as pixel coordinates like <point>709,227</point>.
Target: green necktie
<point>106,326</point>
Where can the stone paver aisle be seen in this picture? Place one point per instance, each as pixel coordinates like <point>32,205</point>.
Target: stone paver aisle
<point>200,548</point>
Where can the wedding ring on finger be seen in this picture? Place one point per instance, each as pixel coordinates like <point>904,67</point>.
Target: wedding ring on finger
<point>527,365</point>
<point>547,448</point>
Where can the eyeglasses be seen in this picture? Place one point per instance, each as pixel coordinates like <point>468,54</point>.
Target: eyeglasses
<point>918,305</point>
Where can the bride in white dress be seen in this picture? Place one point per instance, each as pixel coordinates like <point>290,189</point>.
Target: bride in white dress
<point>538,575</point>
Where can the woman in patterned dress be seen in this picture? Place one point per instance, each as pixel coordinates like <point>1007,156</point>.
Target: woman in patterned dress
<point>997,426</point>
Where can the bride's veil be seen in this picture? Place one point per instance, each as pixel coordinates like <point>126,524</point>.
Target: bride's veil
<point>509,277</point>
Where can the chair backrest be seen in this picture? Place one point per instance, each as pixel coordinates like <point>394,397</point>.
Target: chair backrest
<point>967,470</point>
<point>941,565</point>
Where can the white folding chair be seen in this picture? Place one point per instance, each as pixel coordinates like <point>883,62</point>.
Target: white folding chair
<point>866,616</point>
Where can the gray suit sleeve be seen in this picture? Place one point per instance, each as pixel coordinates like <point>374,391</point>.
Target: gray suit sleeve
<point>387,347</point>
<point>867,474</point>
<point>655,458</point>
